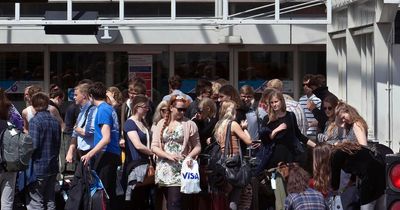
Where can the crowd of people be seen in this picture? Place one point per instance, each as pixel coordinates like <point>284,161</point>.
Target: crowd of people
<point>318,135</point>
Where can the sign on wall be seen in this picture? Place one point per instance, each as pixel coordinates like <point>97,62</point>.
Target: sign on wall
<point>141,66</point>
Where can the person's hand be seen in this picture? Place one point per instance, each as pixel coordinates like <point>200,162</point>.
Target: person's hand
<point>86,159</point>
<point>189,162</point>
<point>174,157</point>
<point>196,117</point>
<point>281,127</point>
<point>310,105</point>
<point>69,157</point>
<point>122,143</point>
<point>79,130</point>
<point>243,124</point>
<point>208,141</point>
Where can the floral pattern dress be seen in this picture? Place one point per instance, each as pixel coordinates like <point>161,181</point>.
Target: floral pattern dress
<point>167,171</point>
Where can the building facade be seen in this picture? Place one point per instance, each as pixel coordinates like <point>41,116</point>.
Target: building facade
<point>363,63</point>
<point>245,42</point>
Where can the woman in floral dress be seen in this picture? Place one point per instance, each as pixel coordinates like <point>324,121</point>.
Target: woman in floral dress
<point>174,139</point>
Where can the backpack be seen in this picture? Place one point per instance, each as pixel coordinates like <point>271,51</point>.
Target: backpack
<point>16,149</point>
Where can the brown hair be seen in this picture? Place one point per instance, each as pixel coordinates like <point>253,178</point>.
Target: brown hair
<point>175,82</point>
<point>137,100</point>
<point>348,147</point>
<point>230,91</point>
<point>247,89</point>
<point>271,113</point>
<point>354,116</point>
<point>207,102</point>
<point>5,105</point>
<point>32,90</point>
<point>322,167</point>
<point>116,94</point>
<point>40,101</point>
<point>297,179</point>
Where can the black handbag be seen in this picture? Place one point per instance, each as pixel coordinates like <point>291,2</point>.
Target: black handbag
<point>237,170</point>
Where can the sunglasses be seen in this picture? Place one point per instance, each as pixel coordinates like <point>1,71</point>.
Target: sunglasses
<point>180,109</point>
<point>144,107</point>
<point>164,110</point>
<point>305,84</point>
<point>328,108</point>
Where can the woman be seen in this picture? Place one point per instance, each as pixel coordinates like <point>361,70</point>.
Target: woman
<point>331,132</point>
<point>228,92</point>
<point>161,112</point>
<point>300,196</point>
<point>137,149</point>
<point>284,132</point>
<point>115,99</point>
<point>174,139</point>
<point>227,114</point>
<point>205,120</point>
<point>355,127</point>
<point>29,112</point>
<point>322,169</point>
<point>359,161</point>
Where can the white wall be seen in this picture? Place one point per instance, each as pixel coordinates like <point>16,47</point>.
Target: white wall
<point>251,34</point>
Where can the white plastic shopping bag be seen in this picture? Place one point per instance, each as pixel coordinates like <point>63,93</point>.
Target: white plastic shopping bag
<point>190,177</point>
<point>335,203</point>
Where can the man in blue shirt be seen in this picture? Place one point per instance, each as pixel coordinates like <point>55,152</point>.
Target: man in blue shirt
<point>106,148</point>
<point>83,131</point>
<point>45,131</point>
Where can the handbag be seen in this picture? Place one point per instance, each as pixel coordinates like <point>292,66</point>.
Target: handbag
<point>237,171</point>
<point>149,178</point>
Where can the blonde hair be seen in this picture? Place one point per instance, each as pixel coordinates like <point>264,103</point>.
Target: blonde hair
<point>207,102</point>
<point>227,113</point>
<point>276,84</point>
<point>354,116</point>
<point>157,113</point>
<point>273,116</point>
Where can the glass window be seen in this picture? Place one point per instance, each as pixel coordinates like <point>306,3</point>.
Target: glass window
<point>19,70</point>
<point>194,65</point>
<point>159,74</point>
<point>68,68</point>
<point>7,9</point>
<point>256,68</point>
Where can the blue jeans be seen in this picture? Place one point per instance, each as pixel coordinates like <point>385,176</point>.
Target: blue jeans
<point>41,194</point>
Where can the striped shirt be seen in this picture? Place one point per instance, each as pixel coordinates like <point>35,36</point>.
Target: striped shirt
<point>311,131</point>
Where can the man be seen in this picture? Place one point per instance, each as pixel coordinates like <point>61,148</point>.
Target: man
<point>106,151</point>
<point>318,86</point>
<point>291,105</point>
<point>309,96</point>
<point>175,83</point>
<point>254,114</point>
<point>203,90</point>
<point>45,131</point>
<point>82,135</point>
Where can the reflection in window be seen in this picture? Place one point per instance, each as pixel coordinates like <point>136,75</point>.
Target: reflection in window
<point>68,68</point>
<point>160,74</point>
<point>192,66</point>
<point>21,66</point>
<point>255,68</point>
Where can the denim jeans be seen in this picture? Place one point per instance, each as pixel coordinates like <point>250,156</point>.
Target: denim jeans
<point>7,187</point>
<point>41,194</point>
